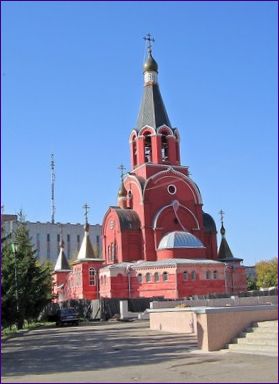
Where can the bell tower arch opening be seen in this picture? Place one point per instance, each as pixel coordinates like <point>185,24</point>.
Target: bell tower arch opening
<point>134,151</point>
<point>164,147</point>
<point>147,147</point>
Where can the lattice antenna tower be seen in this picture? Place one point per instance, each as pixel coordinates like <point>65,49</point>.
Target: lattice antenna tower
<point>52,167</point>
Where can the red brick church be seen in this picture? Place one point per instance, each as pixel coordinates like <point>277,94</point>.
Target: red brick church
<point>158,241</point>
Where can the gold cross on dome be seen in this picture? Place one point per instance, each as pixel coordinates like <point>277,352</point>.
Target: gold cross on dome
<point>86,209</point>
<point>122,168</point>
<point>222,215</point>
<point>150,39</point>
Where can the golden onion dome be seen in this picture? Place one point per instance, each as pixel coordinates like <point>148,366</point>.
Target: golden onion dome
<point>122,190</point>
<point>150,64</point>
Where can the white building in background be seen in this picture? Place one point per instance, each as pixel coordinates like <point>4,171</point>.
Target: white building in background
<point>46,237</point>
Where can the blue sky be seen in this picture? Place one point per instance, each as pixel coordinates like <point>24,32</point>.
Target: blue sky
<point>72,84</point>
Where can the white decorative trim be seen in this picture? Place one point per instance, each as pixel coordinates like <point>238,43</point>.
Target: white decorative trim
<point>146,128</point>
<point>175,189</point>
<point>185,179</point>
<point>134,132</point>
<point>172,204</point>
<point>165,127</point>
<point>161,165</point>
<point>135,181</point>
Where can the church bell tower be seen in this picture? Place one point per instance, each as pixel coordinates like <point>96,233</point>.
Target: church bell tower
<point>154,140</point>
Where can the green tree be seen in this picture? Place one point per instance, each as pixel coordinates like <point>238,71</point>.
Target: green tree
<point>251,284</point>
<point>26,284</point>
<point>267,273</point>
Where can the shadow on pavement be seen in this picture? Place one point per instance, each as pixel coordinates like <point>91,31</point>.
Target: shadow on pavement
<point>67,349</point>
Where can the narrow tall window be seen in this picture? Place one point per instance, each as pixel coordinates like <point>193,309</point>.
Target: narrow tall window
<point>148,277</point>
<point>112,251</point>
<point>156,277</point>
<point>185,275</point>
<point>165,276</point>
<point>134,144</point>
<point>139,277</point>
<point>208,275</point>
<point>165,148</point>
<point>58,242</point>
<point>68,246</point>
<point>98,244</point>
<point>38,244</point>
<point>215,275</point>
<point>147,148</point>
<point>193,275</point>
<point>48,246</point>
<point>92,276</point>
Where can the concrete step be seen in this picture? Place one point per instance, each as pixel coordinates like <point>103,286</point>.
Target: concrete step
<point>254,349</point>
<point>260,338</point>
<point>266,335</point>
<point>263,330</point>
<point>266,324</point>
<point>255,340</point>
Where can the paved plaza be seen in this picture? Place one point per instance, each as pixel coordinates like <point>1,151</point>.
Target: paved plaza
<point>124,352</point>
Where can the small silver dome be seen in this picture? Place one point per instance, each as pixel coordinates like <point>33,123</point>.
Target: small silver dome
<point>180,239</point>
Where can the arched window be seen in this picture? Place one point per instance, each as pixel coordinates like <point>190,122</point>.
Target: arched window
<point>109,252</point>
<point>193,275</point>
<point>185,275</point>
<point>165,276</point>
<point>148,277</point>
<point>164,147</point>
<point>139,278</point>
<point>147,148</point>
<point>92,276</point>
<point>215,275</point>
<point>156,277</point>
<point>208,275</point>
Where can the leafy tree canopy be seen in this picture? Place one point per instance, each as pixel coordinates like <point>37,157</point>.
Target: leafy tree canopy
<point>267,273</point>
<point>26,284</point>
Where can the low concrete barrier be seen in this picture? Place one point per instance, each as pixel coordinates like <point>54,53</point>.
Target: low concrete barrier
<point>222,302</point>
<point>215,326</point>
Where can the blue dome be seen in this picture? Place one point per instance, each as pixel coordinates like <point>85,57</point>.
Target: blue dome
<point>180,239</point>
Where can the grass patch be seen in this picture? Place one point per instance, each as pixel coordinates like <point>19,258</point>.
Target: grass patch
<point>11,331</point>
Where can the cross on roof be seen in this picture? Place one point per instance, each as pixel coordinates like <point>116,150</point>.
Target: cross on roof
<point>150,39</point>
<point>222,215</point>
<point>86,209</point>
<point>122,168</point>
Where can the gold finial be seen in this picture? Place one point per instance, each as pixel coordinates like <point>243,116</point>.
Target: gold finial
<point>150,39</point>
